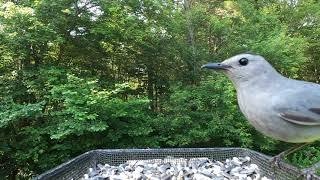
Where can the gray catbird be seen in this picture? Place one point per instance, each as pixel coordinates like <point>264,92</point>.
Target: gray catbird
<point>282,108</point>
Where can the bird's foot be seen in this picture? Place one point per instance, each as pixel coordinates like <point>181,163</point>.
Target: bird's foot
<point>275,160</point>
<point>307,173</point>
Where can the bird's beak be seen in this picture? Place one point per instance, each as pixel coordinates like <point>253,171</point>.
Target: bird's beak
<point>216,66</point>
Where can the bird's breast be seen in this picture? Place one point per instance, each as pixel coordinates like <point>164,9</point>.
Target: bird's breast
<point>256,107</point>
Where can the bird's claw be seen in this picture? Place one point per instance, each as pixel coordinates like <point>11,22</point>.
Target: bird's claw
<point>275,161</point>
<point>307,173</point>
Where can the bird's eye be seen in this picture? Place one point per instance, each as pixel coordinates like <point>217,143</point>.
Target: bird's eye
<point>243,61</point>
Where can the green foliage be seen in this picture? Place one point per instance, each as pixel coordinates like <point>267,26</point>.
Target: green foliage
<point>126,74</point>
<point>198,117</point>
<point>66,107</point>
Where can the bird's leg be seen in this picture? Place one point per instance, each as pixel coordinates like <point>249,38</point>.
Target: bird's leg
<point>308,172</point>
<point>276,159</point>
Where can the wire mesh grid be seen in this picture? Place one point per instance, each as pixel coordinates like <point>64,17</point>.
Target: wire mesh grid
<point>77,167</point>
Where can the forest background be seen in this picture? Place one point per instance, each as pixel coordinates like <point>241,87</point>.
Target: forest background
<point>77,75</point>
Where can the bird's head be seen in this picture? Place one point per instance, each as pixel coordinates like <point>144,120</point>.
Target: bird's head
<point>243,68</point>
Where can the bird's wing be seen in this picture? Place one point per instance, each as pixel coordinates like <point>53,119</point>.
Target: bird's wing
<point>300,107</point>
<point>302,118</point>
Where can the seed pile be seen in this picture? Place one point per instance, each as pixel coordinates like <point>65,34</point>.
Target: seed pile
<point>237,168</point>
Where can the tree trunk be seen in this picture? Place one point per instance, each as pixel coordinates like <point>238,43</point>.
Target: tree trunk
<point>187,7</point>
<point>150,89</point>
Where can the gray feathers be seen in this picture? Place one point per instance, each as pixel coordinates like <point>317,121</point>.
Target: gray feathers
<point>300,119</point>
<point>282,108</point>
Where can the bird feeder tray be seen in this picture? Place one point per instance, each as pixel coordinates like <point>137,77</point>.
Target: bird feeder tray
<point>77,167</point>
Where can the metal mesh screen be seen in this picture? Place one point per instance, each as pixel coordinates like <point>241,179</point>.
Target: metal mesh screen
<point>77,167</point>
